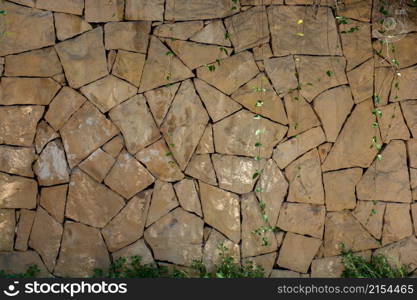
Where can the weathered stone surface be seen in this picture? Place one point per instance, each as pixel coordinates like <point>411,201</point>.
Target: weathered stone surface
<point>138,248</point>
<point>397,223</point>
<point>44,134</point>
<point>178,10</point>
<point>388,179</point>
<point>288,37</point>
<point>297,252</point>
<point>414,215</point>
<point>18,124</point>
<point>403,47</point>
<point>332,266</point>
<point>90,202</point>
<point>17,192</point>
<point>36,63</point>
<point>232,72</point>
<point>201,167</point>
<point>23,26</point>
<point>150,10</point>
<point>87,130</point>
<point>98,164</point>
<point>129,66</point>
<point>38,91</point>
<point>352,145</point>
<point>17,160</point>
<point>382,81</point>
<point>159,101</point>
<point>221,210</point>
<point>23,229</point>
<point>342,227</point>
<point>355,9</point>
<point>357,45</point>
<point>188,196</point>
<point>163,201</point>
<point>251,220</point>
<point>83,58</point>
<point>409,109</point>
<point>340,187</point>
<point>403,87</point>
<point>156,73</point>
<point>114,146</point>
<point>212,253</point>
<point>30,3</point>
<point>324,149</point>
<point>47,245</point>
<point>68,6</point>
<point>412,152</point>
<point>301,116</point>
<point>68,26</point>
<point>8,223</point>
<point>19,262</point>
<point>206,144</point>
<point>333,107</point>
<point>129,36</point>
<point>361,80</point>
<point>179,30</point>
<point>177,237</point>
<point>403,252</point>
<point>284,274</point>
<point>370,215</point>
<point>261,2</point>
<point>392,124</point>
<point>63,106</point>
<point>212,33</point>
<point>281,71</point>
<point>82,251</point>
<point>128,177</point>
<point>265,261</point>
<point>248,29</point>
<point>53,200</point>
<point>96,11</point>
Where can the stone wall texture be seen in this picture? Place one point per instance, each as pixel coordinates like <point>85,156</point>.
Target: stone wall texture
<point>130,127</point>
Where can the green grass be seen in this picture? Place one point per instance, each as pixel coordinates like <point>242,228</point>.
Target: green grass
<point>31,272</point>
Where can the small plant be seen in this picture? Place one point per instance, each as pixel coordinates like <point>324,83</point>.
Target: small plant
<point>31,272</point>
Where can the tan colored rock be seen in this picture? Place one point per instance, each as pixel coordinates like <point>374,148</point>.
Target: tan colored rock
<point>7,229</point>
<point>23,27</point>
<point>138,248</point>
<point>333,107</point>
<point>403,87</point>
<point>355,9</point>
<point>188,196</point>
<point>387,179</point>
<point>18,262</point>
<point>332,266</point>
<point>37,63</point>
<point>180,10</point>
<point>177,237</point>
<point>30,3</point>
<point>414,216</point>
<point>17,160</point>
<point>82,251</point>
<point>265,261</point>
<point>96,11</point>
<point>370,215</point>
<point>90,202</point>
<point>44,134</point>
<point>342,227</point>
<point>163,201</point>
<point>128,177</point>
<point>212,33</point>
<point>114,146</point>
<point>409,109</point>
<point>129,36</point>
<point>284,274</point>
<point>68,26</point>
<point>403,47</point>
<point>324,149</point>
<point>98,164</point>
<point>17,192</point>
<point>232,72</point>
<point>129,66</point>
<point>68,6</point>
<point>201,167</point>
<point>262,52</point>
<point>352,145</point>
<point>297,252</point>
<point>206,144</point>
<point>392,123</point>
<point>83,58</point>
<point>361,80</point>
<point>397,223</point>
<point>261,2</point>
<point>53,200</point>
<point>382,81</point>
<point>47,245</point>
<point>301,116</point>
<point>412,152</point>
<point>38,91</point>
<point>212,250</point>
<point>18,124</point>
<point>179,30</point>
<point>281,71</point>
<point>63,106</point>
<point>402,252</point>
<point>159,101</point>
<point>221,210</point>
<point>150,10</point>
<point>23,229</point>
<point>111,57</point>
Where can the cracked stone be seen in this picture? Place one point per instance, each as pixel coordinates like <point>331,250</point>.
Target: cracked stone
<point>281,71</point>
<point>403,87</point>
<point>44,134</point>
<point>53,200</point>
<point>206,144</point>
<point>409,109</point>
<point>201,167</point>
<point>19,262</point>
<point>179,10</point>
<point>392,124</point>
<point>68,6</point>
<point>98,164</point>
<point>361,80</point>
<point>159,101</point>
<point>265,261</point>
<point>212,33</point>
<point>149,10</point>
<point>96,11</point>
<point>301,116</point>
<point>17,192</point>
<point>179,30</point>
<point>382,81</point>
<point>370,215</point>
<point>402,252</point>
<point>23,229</point>
<point>129,66</point>
<point>397,223</point>
<point>129,36</point>
<point>403,48</point>
<point>188,196</point>
<point>8,224</point>
<point>114,146</point>
<point>356,9</point>
<point>17,160</point>
<point>163,201</point>
<point>68,26</point>
<point>138,248</point>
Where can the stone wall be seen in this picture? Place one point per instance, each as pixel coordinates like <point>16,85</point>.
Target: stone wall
<point>166,128</point>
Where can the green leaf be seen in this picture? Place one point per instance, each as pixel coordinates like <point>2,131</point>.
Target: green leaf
<point>377,99</point>
<point>374,125</point>
<point>224,50</point>
<point>265,218</point>
<point>259,103</point>
<point>329,73</point>
<point>258,144</point>
<point>258,131</point>
<point>257,117</point>
<point>257,158</point>
<point>168,153</point>
<point>169,53</point>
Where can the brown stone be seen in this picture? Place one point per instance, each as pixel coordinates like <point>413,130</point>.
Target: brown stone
<point>357,45</point>
<point>403,47</point>
<point>96,11</point>
<point>409,109</point>
<point>265,261</point>
<point>179,30</point>
<point>30,3</point>
<point>138,248</point>
<point>414,216</point>
<point>163,201</point>
<point>8,223</point>
<point>145,10</point>
<point>281,71</point>
<point>206,144</point>
<point>17,192</point>
<point>23,229</point>
<point>403,86</point>
<point>392,123</point>
<point>324,149</point>
<point>68,26</point>
<point>129,66</point>
<point>188,196</point>
<point>114,146</point>
<point>397,223</point>
<point>17,160</point>
<point>53,200</point>
<point>129,36</point>
<point>201,167</point>
<point>402,252</point>
<point>361,80</point>
<point>18,262</point>
<point>68,6</point>
<point>356,9</point>
<point>159,101</point>
<point>301,116</point>
<point>98,164</point>
<point>44,134</point>
<point>212,33</point>
<point>382,81</point>
<point>370,215</point>
<point>178,10</point>
<point>284,274</point>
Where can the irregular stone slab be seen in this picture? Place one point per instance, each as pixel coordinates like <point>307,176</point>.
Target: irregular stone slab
<point>30,3</point>
<point>370,215</point>
<point>179,10</point>
<point>136,123</point>
<point>90,202</point>
<point>409,109</point>
<point>333,107</point>
<point>155,73</point>
<point>382,80</point>
<point>47,245</point>
<point>388,179</point>
<point>18,124</point>
<point>361,80</point>
<point>87,130</point>
<point>17,160</point>
<point>150,10</point>
<point>44,134</point>
<point>301,116</point>
<point>68,26</point>
<point>297,252</point>
<point>129,36</point>
<point>159,101</point>
<point>288,151</point>
<point>288,37</point>
<point>266,262</point>
<point>188,196</point>
<point>354,9</point>
<point>8,223</point>
<point>178,30</point>
<point>23,26</point>
<point>221,210</point>
<point>403,47</point>
<point>328,72</point>
<point>248,29</point>
<point>352,145</point>
<point>163,201</point>
<point>252,244</point>
<point>212,33</point>
<point>63,106</point>
<point>23,229</point>
<point>96,11</point>
<point>138,248</point>
<point>281,71</point>
<point>83,58</point>
<point>201,167</point>
<point>342,227</point>
<point>177,237</point>
<point>18,262</point>
<point>339,188</point>
<point>36,63</point>
<point>68,6</point>
<point>403,87</point>
<point>324,149</point>
<point>392,124</point>
<point>82,251</point>
<point>114,146</point>
<point>232,72</point>
<point>129,66</point>
<point>128,177</point>
<point>397,223</point>
<point>38,91</point>
<point>17,192</point>
<point>414,215</point>
<point>261,2</point>
<point>412,152</point>
<point>403,252</point>
<point>53,200</point>
<point>212,254</point>
<point>235,135</point>
<point>262,52</point>
<point>206,144</point>
<point>98,164</point>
